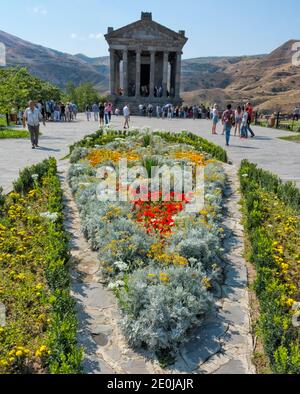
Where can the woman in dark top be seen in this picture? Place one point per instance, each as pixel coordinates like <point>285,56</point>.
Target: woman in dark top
<point>101,113</point>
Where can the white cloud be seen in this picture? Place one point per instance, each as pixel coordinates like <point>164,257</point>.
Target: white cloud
<point>74,36</point>
<point>39,10</point>
<point>95,36</point>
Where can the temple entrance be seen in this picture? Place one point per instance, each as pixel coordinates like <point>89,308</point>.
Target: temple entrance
<point>145,79</point>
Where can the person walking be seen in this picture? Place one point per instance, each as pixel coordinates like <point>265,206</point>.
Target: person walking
<point>228,122</point>
<point>68,113</point>
<point>296,114</point>
<point>74,111</point>
<point>33,117</point>
<point>170,112</point>
<point>249,109</point>
<point>158,111</point>
<point>63,112</point>
<point>95,109</point>
<point>141,109</point>
<point>215,118</point>
<point>126,113</point>
<point>238,120</point>
<point>150,110</point>
<point>101,114</point>
<point>195,112</point>
<point>88,112</point>
<point>109,110</point>
<point>244,125</point>
<point>56,113</point>
<point>106,114</point>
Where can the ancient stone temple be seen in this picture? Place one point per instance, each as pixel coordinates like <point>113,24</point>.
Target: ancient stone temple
<point>145,63</point>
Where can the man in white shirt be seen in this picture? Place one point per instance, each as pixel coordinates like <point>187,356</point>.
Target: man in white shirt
<point>126,113</point>
<point>33,117</point>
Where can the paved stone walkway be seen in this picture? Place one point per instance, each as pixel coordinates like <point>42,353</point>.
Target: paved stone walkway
<point>266,150</point>
<point>281,157</point>
<point>16,154</point>
<point>222,346</point>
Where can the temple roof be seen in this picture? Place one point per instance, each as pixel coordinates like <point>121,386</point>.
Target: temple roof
<point>146,32</point>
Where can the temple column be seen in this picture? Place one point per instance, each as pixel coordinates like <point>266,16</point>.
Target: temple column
<point>165,74</point>
<point>112,86</point>
<point>117,74</point>
<point>152,74</point>
<point>125,72</point>
<point>178,74</point>
<point>138,74</point>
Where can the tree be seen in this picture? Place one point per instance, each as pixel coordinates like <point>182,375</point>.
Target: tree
<point>84,94</point>
<point>70,94</point>
<point>18,86</point>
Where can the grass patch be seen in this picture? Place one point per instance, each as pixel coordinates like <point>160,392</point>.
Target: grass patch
<point>293,138</point>
<point>12,133</point>
<point>3,122</point>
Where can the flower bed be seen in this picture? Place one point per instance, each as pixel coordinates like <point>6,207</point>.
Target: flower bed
<point>271,214</point>
<point>39,335</point>
<point>162,261</point>
<point>104,136</point>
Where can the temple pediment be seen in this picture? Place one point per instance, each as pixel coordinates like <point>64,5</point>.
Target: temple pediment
<point>146,31</point>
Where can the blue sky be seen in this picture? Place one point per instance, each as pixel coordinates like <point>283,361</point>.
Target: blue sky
<point>214,28</point>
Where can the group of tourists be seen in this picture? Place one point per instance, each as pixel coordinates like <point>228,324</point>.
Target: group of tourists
<point>101,112</point>
<point>170,111</point>
<point>58,111</point>
<point>240,119</point>
<point>53,111</point>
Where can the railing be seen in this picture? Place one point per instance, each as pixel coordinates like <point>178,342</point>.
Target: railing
<point>279,121</point>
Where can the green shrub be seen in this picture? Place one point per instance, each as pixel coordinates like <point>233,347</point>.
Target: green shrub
<point>269,182</point>
<point>271,219</point>
<point>161,306</point>
<point>199,143</point>
<point>40,335</point>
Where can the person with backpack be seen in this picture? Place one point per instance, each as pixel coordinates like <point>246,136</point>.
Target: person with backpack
<point>228,122</point>
<point>249,109</point>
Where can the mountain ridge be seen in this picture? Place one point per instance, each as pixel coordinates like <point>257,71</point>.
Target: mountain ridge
<point>269,80</point>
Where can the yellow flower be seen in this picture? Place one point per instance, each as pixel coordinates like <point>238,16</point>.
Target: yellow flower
<point>164,277</point>
<point>43,350</point>
<point>290,302</point>
<point>206,283</point>
<point>19,353</point>
<point>20,277</point>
